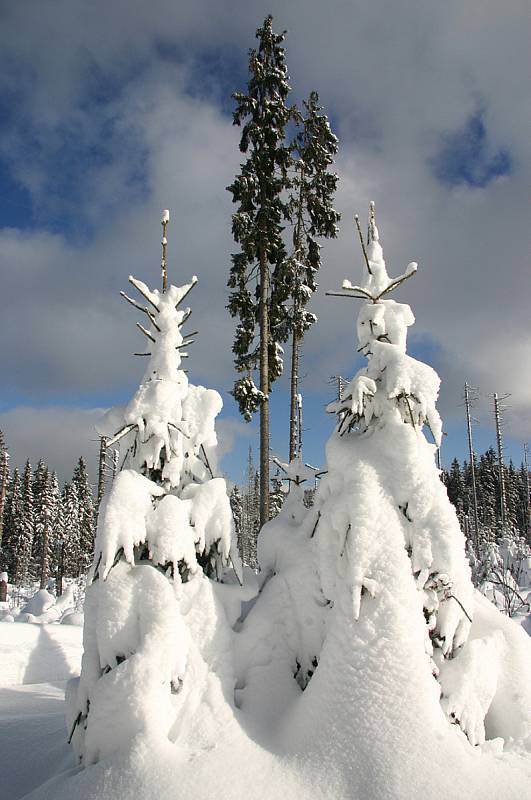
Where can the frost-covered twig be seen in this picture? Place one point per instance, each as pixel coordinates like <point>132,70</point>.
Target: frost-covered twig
<point>410,271</point>
<point>141,308</point>
<point>144,291</point>
<point>465,612</point>
<point>145,332</point>
<point>187,292</point>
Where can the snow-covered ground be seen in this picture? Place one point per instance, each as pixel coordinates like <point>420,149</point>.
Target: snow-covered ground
<point>227,756</point>
<point>35,663</point>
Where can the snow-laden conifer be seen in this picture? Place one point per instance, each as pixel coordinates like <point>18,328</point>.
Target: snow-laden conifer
<point>165,527</point>
<point>257,227</point>
<point>23,528</point>
<point>45,532</point>
<point>13,510</point>
<point>4,484</point>
<point>236,505</point>
<point>71,555</point>
<point>86,514</point>
<point>366,600</point>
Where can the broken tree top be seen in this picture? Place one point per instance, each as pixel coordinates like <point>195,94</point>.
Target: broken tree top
<point>378,283</point>
<point>392,381</point>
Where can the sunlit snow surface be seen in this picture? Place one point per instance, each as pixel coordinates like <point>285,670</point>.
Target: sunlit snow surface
<point>221,754</point>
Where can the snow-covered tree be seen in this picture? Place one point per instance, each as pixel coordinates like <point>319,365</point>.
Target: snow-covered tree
<point>251,512</point>
<point>40,475</point>
<point>386,405</point>
<point>71,550</point>
<point>276,496</point>
<point>257,227</point>
<point>4,481</point>
<point>455,485</point>
<point>13,510</point>
<point>368,594</point>
<point>45,538</point>
<point>164,528</point>
<point>23,529</point>
<point>236,505</point>
<point>86,515</point>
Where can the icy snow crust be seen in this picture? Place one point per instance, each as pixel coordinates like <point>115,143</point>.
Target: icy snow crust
<point>365,669</point>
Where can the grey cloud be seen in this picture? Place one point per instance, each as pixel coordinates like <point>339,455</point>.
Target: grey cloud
<point>58,435</point>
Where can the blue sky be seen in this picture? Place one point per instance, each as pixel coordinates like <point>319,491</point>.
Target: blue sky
<point>108,116</point>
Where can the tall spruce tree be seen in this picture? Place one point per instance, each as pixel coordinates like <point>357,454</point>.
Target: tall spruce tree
<point>45,528</point>
<point>236,505</point>
<point>23,530</point>
<point>276,495</point>
<point>40,477</point>
<point>13,510</point>
<point>312,216</point>
<point>86,515</point>
<point>455,485</point>
<point>488,491</point>
<point>4,482</point>
<point>257,227</point>
<point>71,556</point>
<point>57,535</point>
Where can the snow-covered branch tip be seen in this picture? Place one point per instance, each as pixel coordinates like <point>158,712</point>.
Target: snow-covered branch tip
<point>187,291</point>
<point>141,287</point>
<point>378,283</point>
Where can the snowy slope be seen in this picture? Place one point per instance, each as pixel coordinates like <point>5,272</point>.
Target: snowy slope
<point>35,663</point>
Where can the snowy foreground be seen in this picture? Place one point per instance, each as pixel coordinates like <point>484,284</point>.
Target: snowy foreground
<point>224,756</point>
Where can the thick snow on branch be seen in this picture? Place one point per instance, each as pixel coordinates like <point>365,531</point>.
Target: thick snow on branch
<point>122,525</point>
<point>392,379</point>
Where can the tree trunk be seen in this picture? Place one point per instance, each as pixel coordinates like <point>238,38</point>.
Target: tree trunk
<point>264,387</point>
<point>296,339</point>
<point>299,425</point>
<point>293,396</point>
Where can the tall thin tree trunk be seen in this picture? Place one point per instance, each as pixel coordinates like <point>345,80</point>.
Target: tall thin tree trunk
<point>294,385</point>
<point>296,339</point>
<point>264,387</point>
<point>299,425</point>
